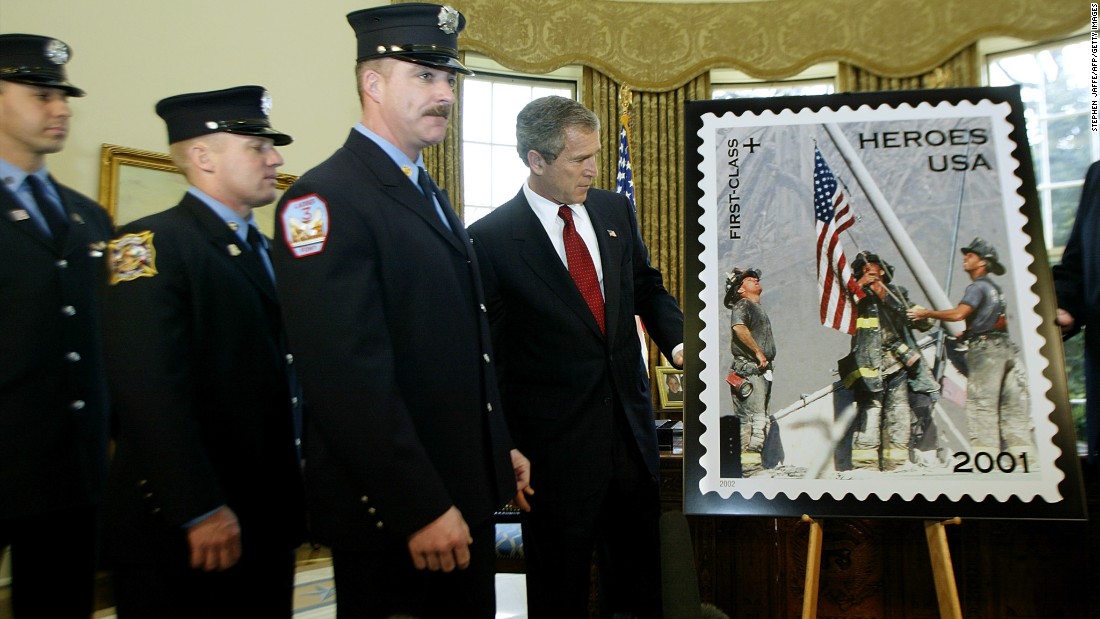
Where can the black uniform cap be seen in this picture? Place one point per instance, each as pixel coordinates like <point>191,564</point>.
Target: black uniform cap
<point>986,252</point>
<point>36,60</point>
<point>416,32</point>
<point>243,110</point>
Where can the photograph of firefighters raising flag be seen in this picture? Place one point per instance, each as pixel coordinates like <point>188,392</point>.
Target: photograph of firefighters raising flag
<point>873,304</point>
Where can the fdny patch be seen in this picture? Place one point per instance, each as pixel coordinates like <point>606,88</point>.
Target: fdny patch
<point>305,225</point>
<point>132,256</point>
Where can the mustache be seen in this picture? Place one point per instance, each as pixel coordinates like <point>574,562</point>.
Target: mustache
<point>443,111</point>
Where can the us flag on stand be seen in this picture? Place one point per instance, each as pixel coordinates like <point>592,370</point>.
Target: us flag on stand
<point>833,215</point>
<point>624,179</point>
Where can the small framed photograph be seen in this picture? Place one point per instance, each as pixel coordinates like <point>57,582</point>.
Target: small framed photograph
<point>670,386</point>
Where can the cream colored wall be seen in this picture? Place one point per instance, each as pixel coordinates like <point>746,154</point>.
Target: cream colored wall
<point>128,54</point>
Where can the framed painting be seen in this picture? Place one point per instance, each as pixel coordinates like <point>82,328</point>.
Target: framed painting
<point>134,183</point>
<point>874,265</point>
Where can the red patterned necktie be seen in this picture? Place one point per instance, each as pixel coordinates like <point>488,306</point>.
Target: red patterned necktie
<point>581,267</point>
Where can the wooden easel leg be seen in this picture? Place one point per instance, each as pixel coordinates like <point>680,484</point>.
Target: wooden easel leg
<point>942,571</point>
<point>813,569</point>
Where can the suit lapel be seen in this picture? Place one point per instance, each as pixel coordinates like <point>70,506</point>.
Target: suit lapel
<point>13,212</point>
<point>539,254</point>
<point>404,191</point>
<point>76,236</point>
<point>228,244</point>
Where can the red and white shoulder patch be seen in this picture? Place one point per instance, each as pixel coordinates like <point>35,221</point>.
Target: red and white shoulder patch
<point>305,225</point>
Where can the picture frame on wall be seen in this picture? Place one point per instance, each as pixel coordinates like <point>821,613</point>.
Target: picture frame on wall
<point>857,212</point>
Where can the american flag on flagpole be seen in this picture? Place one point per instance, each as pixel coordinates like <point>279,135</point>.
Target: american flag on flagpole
<point>624,184</point>
<point>833,215</point>
<point>624,178</point>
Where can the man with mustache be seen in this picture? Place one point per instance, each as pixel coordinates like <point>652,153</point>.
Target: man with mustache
<point>407,455</point>
<point>204,505</point>
<point>53,396</point>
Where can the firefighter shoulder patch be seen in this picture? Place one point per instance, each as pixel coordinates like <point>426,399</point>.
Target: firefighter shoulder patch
<point>132,256</point>
<point>305,225</point>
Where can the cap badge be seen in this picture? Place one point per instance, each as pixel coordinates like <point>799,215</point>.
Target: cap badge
<point>265,103</point>
<point>448,20</point>
<point>57,52</point>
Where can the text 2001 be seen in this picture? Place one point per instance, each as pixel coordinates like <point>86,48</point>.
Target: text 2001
<point>985,462</point>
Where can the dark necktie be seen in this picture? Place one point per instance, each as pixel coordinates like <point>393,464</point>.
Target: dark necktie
<point>581,267</point>
<point>55,218</point>
<point>260,249</point>
<point>427,187</point>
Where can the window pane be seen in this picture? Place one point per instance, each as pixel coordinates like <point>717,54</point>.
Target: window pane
<point>1064,201</point>
<point>492,170</point>
<point>508,100</point>
<point>477,174</point>
<point>477,110</point>
<point>1055,88</point>
<point>1068,138</point>
<point>508,174</point>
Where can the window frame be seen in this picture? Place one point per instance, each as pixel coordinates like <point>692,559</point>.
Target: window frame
<point>486,70</point>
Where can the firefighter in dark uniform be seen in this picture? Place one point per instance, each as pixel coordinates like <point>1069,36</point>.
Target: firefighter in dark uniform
<point>205,505</point>
<point>408,454</point>
<point>53,396</point>
<point>887,367</point>
<point>996,393</point>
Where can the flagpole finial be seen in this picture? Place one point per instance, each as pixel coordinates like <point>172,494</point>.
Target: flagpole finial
<point>626,99</point>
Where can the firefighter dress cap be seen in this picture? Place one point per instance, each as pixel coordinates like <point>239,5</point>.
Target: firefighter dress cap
<point>418,32</point>
<point>37,61</point>
<point>986,252</point>
<point>242,110</point>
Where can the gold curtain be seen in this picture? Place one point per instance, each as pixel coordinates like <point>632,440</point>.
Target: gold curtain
<point>657,46</point>
<point>656,134</point>
<point>657,155</point>
<point>962,69</point>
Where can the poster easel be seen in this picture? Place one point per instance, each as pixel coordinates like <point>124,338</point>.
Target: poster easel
<point>942,571</point>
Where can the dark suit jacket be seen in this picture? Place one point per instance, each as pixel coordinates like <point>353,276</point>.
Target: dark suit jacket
<point>53,406</point>
<point>198,377</point>
<point>1077,280</point>
<point>393,344</point>
<point>560,377</point>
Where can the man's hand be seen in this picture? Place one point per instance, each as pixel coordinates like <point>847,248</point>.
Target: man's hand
<point>1064,320</point>
<point>522,468</point>
<point>216,541</point>
<point>678,359</point>
<point>442,545</point>
<point>761,360</point>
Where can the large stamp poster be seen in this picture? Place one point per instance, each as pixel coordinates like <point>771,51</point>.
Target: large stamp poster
<point>869,307</point>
